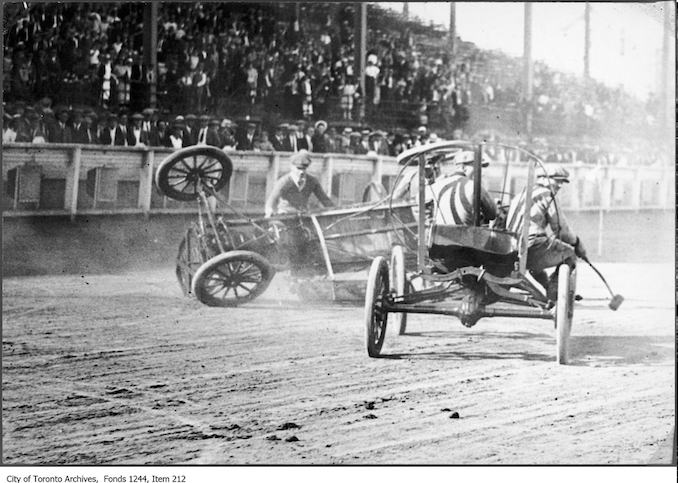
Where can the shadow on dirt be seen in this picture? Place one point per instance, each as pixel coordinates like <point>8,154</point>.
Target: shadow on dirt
<point>455,355</point>
<point>457,349</point>
<point>621,350</point>
<point>480,335</point>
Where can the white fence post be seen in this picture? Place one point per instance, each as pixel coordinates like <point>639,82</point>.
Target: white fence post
<point>146,181</point>
<point>72,182</point>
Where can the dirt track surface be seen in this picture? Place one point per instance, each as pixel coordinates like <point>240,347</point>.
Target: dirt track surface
<point>123,370</point>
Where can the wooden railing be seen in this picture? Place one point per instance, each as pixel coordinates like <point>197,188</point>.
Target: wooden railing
<point>73,179</point>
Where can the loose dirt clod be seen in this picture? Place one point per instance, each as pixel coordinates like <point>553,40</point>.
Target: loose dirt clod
<point>454,415</point>
<point>291,439</point>
<point>273,437</point>
<point>370,416</point>
<point>446,410</point>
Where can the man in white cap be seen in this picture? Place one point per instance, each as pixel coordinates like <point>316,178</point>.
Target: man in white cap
<point>550,241</point>
<point>452,194</point>
<point>292,192</point>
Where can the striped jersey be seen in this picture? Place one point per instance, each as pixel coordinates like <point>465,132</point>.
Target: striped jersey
<point>545,216</point>
<point>453,201</point>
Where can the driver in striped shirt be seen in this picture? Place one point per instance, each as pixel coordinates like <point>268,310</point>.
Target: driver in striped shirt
<point>551,241</point>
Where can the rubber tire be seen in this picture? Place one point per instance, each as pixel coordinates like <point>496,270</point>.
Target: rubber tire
<point>564,306</point>
<point>399,284</point>
<point>194,256</point>
<point>201,276</point>
<point>161,175</point>
<point>377,287</point>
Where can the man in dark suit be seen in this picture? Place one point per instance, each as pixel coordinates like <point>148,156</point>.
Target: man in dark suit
<point>212,137</point>
<point>294,141</point>
<point>201,134</point>
<point>78,128</point>
<point>190,130</point>
<point>378,144</point>
<point>245,140</point>
<point>278,137</point>
<point>123,121</point>
<point>111,134</point>
<point>302,140</point>
<point>60,131</point>
<point>159,133</point>
<point>89,131</point>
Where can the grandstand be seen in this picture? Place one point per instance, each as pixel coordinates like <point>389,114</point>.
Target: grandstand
<point>280,63</point>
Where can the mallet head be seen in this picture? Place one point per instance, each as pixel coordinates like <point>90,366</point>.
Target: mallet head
<point>615,302</point>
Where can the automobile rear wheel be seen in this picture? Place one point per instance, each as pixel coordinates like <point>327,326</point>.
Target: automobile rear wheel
<point>375,315</point>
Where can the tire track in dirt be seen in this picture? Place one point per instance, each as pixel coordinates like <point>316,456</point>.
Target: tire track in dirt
<point>137,376</point>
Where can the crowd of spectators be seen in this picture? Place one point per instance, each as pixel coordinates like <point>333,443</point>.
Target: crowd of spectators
<point>217,59</point>
<point>41,123</point>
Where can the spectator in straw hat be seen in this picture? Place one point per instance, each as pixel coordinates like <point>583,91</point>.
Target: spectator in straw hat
<point>319,139</point>
<point>136,135</point>
<point>176,137</point>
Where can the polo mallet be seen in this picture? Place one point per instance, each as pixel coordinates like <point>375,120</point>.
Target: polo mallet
<point>617,299</point>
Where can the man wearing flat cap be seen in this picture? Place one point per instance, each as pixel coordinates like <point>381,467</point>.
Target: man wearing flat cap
<point>550,240</point>
<point>292,192</point>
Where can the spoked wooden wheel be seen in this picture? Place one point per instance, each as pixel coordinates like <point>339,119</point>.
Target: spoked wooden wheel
<point>232,279</point>
<point>564,312</point>
<point>182,175</point>
<point>399,284</point>
<point>375,315</point>
<point>192,254</point>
